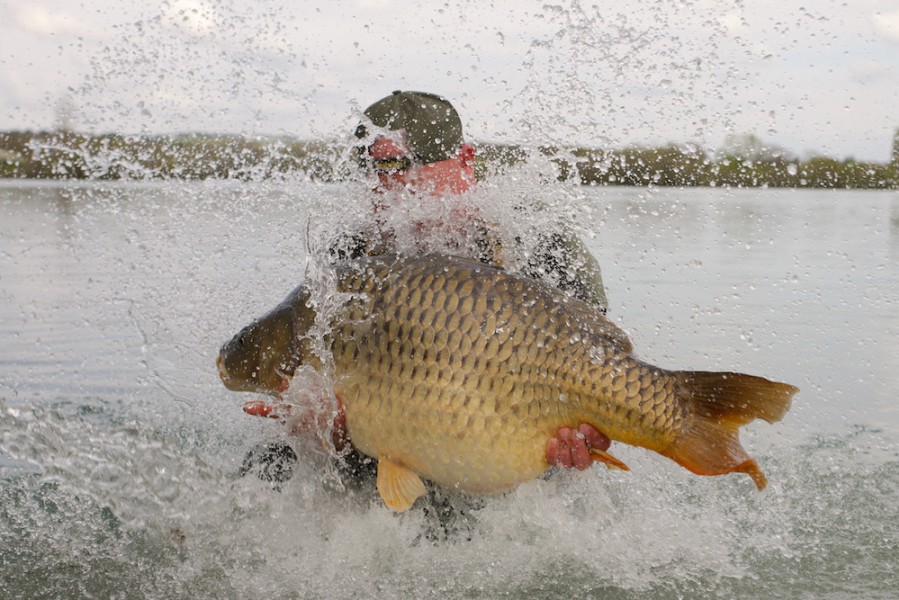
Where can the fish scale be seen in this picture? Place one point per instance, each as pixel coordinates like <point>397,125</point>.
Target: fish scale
<point>461,373</point>
<point>511,402</point>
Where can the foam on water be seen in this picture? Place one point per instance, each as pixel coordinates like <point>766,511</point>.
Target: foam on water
<point>113,506</point>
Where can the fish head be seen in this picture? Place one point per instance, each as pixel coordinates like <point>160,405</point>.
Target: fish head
<point>263,356</point>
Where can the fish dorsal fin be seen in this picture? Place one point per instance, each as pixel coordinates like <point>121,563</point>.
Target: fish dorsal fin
<point>399,487</point>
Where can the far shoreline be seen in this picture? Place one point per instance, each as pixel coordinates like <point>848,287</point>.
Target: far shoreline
<point>70,156</point>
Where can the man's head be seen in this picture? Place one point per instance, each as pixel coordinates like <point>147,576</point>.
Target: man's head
<point>414,140</point>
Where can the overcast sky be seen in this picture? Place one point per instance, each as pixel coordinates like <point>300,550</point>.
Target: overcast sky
<point>809,75</point>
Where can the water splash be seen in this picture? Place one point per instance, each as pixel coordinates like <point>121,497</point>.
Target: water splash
<point>113,505</point>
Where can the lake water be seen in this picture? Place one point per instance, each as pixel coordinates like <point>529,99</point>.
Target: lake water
<point>119,447</point>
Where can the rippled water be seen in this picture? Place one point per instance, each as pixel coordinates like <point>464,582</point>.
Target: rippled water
<point>119,447</point>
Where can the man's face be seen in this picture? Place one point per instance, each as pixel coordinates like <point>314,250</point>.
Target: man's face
<point>383,152</point>
<point>400,171</point>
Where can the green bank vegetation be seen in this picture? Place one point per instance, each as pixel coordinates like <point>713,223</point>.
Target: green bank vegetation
<point>689,165</point>
<point>67,155</point>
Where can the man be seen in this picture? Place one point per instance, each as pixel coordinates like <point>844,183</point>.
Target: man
<point>412,143</point>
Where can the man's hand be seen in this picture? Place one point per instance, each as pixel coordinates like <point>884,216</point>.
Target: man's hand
<point>570,448</point>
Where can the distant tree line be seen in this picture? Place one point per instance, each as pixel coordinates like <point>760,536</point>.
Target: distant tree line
<point>68,155</point>
<point>689,165</point>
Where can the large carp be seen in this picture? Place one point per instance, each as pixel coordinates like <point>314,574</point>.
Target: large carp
<point>460,373</point>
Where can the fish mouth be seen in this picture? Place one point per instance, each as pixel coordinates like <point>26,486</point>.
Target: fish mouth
<point>219,363</point>
<point>223,372</point>
<point>237,384</point>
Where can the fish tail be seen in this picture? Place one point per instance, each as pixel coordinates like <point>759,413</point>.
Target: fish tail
<point>718,404</point>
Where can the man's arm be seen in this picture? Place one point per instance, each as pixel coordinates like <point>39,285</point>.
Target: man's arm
<point>562,257</point>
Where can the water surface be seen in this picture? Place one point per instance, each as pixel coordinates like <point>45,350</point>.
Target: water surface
<point>119,447</point>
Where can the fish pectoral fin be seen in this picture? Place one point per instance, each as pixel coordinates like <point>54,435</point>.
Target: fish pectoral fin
<point>398,486</point>
<point>610,461</point>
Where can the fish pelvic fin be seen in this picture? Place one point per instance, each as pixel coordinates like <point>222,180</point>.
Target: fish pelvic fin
<point>718,404</point>
<point>398,486</point>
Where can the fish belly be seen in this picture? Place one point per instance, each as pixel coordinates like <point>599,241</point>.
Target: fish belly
<point>451,434</point>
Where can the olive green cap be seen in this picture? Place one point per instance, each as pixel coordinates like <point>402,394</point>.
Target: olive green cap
<point>433,127</point>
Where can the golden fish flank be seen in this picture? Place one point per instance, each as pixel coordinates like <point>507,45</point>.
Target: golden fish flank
<point>468,397</point>
<point>461,373</point>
